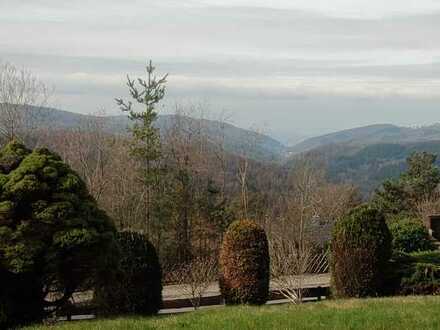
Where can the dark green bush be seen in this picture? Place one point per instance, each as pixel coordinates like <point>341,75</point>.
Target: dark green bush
<point>20,300</point>
<point>416,273</point>
<point>409,235</point>
<point>52,235</point>
<point>244,264</point>
<point>361,249</point>
<point>137,287</point>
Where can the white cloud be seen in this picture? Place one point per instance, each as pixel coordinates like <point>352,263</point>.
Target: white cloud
<point>229,50</point>
<point>273,86</point>
<point>341,8</point>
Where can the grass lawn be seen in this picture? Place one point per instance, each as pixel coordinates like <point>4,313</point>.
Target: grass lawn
<point>388,313</point>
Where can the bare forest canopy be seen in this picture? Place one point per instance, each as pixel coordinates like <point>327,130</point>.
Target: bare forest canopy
<point>235,139</point>
<point>364,156</point>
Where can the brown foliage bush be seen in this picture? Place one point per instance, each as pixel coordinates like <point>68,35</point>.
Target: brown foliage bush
<point>244,264</point>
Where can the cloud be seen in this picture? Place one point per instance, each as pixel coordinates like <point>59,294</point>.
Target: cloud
<point>372,9</point>
<point>241,54</point>
<point>114,29</point>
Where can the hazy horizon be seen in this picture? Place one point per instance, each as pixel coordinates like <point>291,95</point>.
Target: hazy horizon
<point>292,68</point>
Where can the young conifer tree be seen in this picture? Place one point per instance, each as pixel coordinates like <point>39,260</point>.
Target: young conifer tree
<point>145,144</point>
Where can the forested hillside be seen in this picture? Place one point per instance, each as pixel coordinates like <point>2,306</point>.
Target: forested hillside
<point>362,156</point>
<point>236,140</point>
<point>366,166</point>
<point>362,136</point>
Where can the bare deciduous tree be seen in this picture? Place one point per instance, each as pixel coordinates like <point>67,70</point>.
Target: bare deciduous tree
<point>310,207</point>
<point>22,97</point>
<point>247,150</point>
<point>290,263</point>
<point>88,149</point>
<point>194,278</point>
<point>428,207</point>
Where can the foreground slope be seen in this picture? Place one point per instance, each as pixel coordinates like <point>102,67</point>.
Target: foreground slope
<point>385,313</point>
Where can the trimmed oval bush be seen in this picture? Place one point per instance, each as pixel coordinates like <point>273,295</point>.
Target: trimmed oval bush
<point>361,249</point>
<point>137,286</point>
<point>410,235</point>
<point>244,264</point>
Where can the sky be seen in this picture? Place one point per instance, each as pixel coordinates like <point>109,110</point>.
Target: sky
<point>291,68</point>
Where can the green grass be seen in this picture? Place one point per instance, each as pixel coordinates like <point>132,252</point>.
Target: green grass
<point>388,313</point>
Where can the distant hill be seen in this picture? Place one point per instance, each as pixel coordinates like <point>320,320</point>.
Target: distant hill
<point>362,136</point>
<point>366,156</point>
<point>366,166</point>
<point>236,140</point>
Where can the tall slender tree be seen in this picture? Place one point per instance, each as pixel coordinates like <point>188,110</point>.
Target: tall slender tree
<point>145,145</point>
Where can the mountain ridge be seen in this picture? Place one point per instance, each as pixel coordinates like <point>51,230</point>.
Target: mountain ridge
<point>235,140</point>
<point>371,134</point>
<point>266,147</point>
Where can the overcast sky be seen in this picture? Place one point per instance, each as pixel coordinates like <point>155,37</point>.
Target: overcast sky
<point>290,67</point>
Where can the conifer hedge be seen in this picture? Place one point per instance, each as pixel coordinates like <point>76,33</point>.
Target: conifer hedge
<point>361,249</point>
<point>137,286</point>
